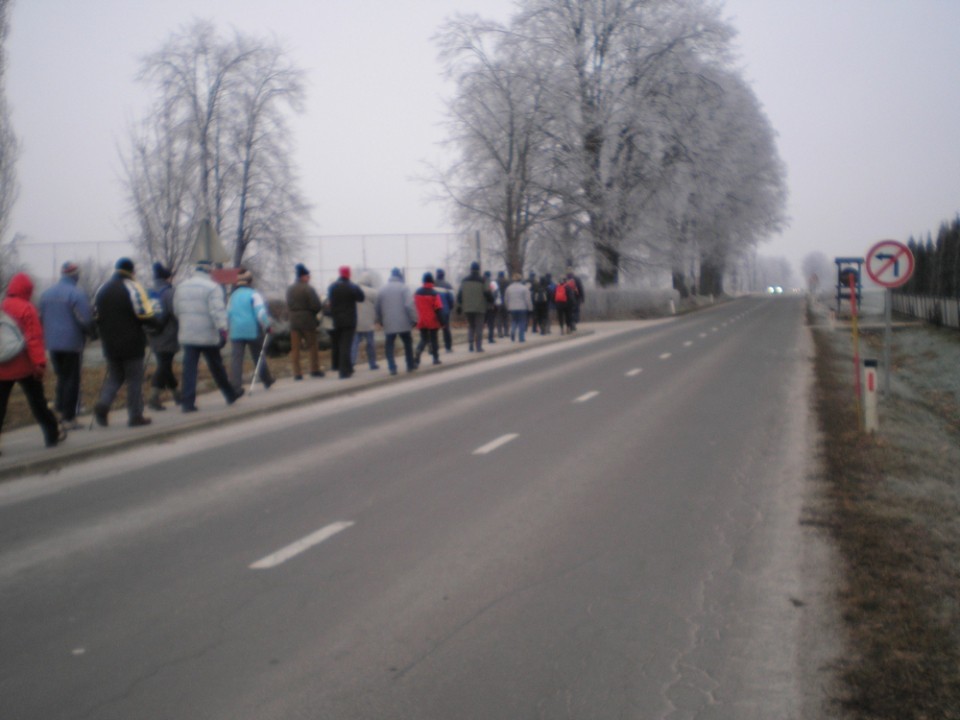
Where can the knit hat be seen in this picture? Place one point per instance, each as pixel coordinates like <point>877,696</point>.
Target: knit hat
<point>427,278</point>
<point>245,277</point>
<point>70,269</point>
<point>474,265</point>
<point>160,272</point>
<point>396,273</point>
<point>204,266</point>
<point>345,272</point>
<point>125,264</point>
<point>302,270</point>
<point>440,274</point>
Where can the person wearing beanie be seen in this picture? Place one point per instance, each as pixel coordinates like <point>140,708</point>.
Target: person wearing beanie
<point>163,339</point>
<point>123,310</point>
<point>202,317</point>
<point>304,307</point>
<point>28,366</point>
<point>343,296</point>
<point>473,298</point>
<point>249,325</point>
<point>503,317</point>
<point>396,315</point>
<point>429,318</point>
<point>449,300</point>
<point>67,320</point>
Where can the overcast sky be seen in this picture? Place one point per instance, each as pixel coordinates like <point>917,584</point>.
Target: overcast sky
<point>864,94</point>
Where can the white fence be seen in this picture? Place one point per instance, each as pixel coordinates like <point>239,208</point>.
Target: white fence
<point>945,311</point>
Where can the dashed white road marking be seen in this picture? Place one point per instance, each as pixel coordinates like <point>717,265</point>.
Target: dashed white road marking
<point>703,335</point>
<point>713,329</point>
<point>666,356</point>
<point>494,444</point>
<point>634,372</point>
<point>294,549</point>
<point>587,396</point>
<point>688,343</point>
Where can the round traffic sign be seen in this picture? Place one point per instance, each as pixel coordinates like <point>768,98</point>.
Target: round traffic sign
<point>889,263</point>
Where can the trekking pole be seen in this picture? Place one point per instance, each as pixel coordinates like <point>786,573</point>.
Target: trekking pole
<point>256,370</point>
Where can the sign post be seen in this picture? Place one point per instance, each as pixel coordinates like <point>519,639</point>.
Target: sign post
<point>889,264</point>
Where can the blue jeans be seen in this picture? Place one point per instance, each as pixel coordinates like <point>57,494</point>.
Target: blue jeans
<point>371,348</point>
<point>518,321</point>
<point>191,359</point>
<point>407,339</point>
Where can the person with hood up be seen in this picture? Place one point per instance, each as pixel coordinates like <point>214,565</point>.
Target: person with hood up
<point>343,296</point>
<point>429,318</point>
<point>449,299</point>
<point>519,304</point>
<point>473,299</point>
<point>366,315</point>
<point>122,309</point>
<point>304,306</point>
<point>29,365</point>
<point>396,314</point>
<point>67,320</point>
<point>200,310</point>
<point>163,340</point>
<point>249,326</point>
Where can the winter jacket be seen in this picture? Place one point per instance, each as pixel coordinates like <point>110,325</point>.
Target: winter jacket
<point>344,296</point>
<point>394,307</point>
<point>517,297</point>
<point>198,305</point>
<point>304,306</point>
<point>122,308</point>
<point>164,338</point>
<point>474,295</point>
<point>18,306</point>
<point>247,314</point>
<point>428,304</point>
<point>447,296</point>
<point>367,310</point>
<point>66,316</point>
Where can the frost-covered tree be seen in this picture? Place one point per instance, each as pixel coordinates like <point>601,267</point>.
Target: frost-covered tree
<point>216,147</point>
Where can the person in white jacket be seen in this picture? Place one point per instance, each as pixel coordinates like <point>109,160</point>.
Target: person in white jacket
<point>202,315</point>
<point>366,315</point>
<point>519,303</point>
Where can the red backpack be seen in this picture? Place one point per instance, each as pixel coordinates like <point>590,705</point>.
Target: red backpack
<point>561,294</point>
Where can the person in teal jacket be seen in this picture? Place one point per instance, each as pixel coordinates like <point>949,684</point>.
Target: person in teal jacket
<point>249,325</point>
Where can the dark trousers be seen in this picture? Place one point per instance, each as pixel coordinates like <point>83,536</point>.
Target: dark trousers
<point>163,377</point>
<point>491,323</point>
<point>120,372</point>
<point>447,338</point>
<point>475,329</point>
<point>33,389</point>
<point>541,318</point>
<point>191,360</point>
<point>407,339</point>
<point>238,348</point>
<point>66,397</point>
<point>341,343</point>
<point>428,336</point>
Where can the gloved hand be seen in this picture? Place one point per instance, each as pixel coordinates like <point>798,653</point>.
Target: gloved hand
<point>223,339</point>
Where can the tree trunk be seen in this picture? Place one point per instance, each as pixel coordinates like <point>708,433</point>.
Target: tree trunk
<point>608,266</point>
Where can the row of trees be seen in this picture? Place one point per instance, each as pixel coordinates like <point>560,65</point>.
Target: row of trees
<point>937,267</point>
<point>214,150</point>
<point>612,133</point>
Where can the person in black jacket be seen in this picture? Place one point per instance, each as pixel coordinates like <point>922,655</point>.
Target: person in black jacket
<point>122,308</point>
<point>343,297</point>
<point>163,339</point>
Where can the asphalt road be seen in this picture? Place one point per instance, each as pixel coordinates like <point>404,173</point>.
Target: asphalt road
<point>601,529</point>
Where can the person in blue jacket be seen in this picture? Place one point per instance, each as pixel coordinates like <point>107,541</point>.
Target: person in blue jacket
<point>249,325</point>
<point>67,320</point>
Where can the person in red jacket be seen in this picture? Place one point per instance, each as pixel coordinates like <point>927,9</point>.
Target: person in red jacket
<point>28,367</point>
<point>429,318</point>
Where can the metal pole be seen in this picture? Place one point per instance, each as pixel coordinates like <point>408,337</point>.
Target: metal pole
<point>887,338</point>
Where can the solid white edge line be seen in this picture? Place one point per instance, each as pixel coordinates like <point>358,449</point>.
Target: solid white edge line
<point>587,396</point>
<point>494,444</point>
<point>294,549</point>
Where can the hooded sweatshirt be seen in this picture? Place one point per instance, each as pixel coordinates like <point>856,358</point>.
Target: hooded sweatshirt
<point>18,306</point>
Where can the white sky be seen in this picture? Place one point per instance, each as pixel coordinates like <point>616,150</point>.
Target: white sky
<point>863,93</point>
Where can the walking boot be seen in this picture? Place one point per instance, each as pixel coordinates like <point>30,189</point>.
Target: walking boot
<point>154,403</point>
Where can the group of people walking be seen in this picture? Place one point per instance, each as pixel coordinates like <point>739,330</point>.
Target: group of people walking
<point>198,318</point>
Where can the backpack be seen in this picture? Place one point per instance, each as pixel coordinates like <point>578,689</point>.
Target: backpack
<point>561,294</point>
<point>12,341</point>
<point>540,295</point>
